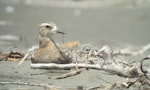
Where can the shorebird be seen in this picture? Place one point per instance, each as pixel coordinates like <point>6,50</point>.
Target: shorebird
<point>48,51</point>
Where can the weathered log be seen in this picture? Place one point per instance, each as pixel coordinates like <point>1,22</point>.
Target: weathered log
<point>120,69</point>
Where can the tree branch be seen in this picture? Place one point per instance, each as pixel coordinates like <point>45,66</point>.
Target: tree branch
<point>120,69</point>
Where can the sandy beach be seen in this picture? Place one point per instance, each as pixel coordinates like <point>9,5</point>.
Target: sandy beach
<point>118,24</point>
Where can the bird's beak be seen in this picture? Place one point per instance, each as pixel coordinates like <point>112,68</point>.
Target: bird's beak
<point>60,32</point>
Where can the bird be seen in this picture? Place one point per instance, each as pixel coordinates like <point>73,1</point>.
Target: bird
<point>48,51</point>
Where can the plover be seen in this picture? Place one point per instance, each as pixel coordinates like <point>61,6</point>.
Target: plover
<point>48,51</point>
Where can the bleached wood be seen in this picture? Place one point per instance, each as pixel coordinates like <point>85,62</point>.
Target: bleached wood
<point>120,69</point>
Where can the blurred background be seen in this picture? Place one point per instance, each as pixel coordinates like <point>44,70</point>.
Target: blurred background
<point>97,22</point>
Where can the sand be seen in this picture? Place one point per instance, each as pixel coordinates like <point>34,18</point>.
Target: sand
<point>118,24</point>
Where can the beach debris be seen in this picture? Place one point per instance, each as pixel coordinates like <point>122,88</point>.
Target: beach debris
<point>14,56</point>
<point>141,83</point>
<point>87,57</point>
<point>23,59</point>
<point>10,55</point>
<point>101,59</point>
<point>115,69</point>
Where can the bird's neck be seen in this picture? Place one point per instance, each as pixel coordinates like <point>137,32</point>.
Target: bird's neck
<point>44,41</point>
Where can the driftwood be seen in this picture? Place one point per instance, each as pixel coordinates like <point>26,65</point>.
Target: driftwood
<point>116,69</point>
<point>103,60</point>
<point>99,59</point>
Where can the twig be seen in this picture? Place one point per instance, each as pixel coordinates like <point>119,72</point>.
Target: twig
<point>69,74</point>
<point>63,66</point>
<point>141,67</point>
<point>142,80</point>
<point>23,59</point>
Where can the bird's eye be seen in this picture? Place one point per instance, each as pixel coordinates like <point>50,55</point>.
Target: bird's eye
<point>48,27</point>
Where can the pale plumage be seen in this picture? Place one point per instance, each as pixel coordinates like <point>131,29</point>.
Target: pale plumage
<point>48,51</point>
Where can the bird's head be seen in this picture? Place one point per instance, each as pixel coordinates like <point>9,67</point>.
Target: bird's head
<point>48,29</point>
